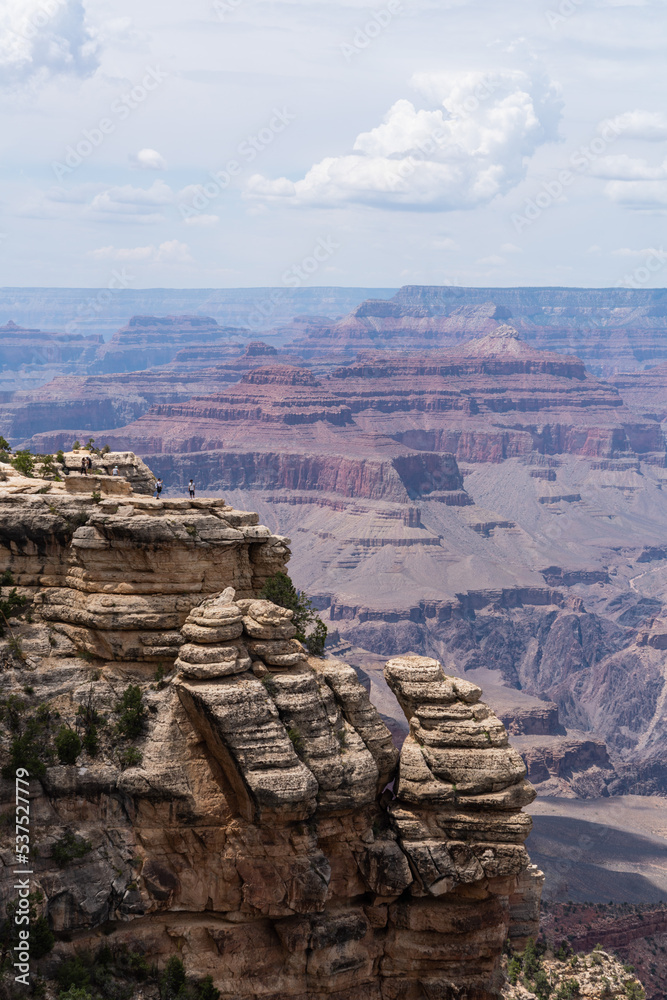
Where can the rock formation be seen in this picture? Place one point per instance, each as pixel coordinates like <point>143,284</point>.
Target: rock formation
<point>252,829</point>
<point>619,329</point>
<point>147,341</point>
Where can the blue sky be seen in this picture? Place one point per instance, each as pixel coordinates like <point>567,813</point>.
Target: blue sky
<point>222,142</point>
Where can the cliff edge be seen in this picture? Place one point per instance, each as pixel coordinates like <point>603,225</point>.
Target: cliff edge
<point>232,800</point>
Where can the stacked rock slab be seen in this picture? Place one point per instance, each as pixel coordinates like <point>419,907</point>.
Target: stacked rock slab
<point>459,790</point>
<point>258,837</point>
<point>119,577</point>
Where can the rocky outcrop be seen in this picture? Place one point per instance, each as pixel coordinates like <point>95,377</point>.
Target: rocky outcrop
<point>618,329</point>
<point>20,346</point>
<point>253,830</point>
<point>635,933</point>
<point>148,341</point>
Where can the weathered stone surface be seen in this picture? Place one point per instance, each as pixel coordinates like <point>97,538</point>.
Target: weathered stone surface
<point>253,830</point>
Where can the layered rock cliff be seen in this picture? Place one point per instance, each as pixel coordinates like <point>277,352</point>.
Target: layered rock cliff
<point>261,825</point>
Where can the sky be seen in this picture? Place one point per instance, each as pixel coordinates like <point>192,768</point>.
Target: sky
<point>227,143</point>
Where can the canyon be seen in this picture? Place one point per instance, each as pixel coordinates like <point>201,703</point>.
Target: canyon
<point>470,505</point>
<point>478,479</point>
<point>254,817</point>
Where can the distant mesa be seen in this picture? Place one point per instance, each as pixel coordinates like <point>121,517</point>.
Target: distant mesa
<point>148,341</point>
<point>279,375</point>
<point>257,348</point>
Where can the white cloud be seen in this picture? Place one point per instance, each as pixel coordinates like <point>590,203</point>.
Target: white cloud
<point>641,195</point>
<point>648,125</point>
<point>170,252</point>
<point>44,38</point>
<point>646,252</point>
<point>628,168</point>
<point>472,148</point>
<point>510,248</point>
<point>132,204</point>
<point>445,243</point>
<point>493,261</point>
<point>148,159</point>
<point>202,221</point>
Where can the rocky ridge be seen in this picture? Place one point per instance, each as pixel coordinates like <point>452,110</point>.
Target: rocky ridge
<point>249,831</point>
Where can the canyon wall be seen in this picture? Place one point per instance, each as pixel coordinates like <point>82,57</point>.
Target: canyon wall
<point>258,821</point>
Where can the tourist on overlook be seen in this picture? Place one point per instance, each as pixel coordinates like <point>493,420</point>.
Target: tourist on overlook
<point>158,488</point>
<point>191,488</point>
<point>84,467</point>
<point>114,471</point>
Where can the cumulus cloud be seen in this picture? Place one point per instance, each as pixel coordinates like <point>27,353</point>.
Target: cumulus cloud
<point>648,125</point>
<point>628,168</point>
<point>44,38</point>
<point>472,147</point>
<point>170,252</point>
<point>627,252</point>
<point>640,195</point>
<point>148,159</point>
<point>202,221</point>
<point>133,204</point>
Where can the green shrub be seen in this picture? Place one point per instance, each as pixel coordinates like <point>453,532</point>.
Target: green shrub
<point>23,462</point>
<point>280,589</point>
<point>60,456</point>
<point>76,445</point>
<point>90,719</point>
<point>563,952</point>
<point>130,757</point>
<point>4,444</point>
<point>205,990</point>
<point>132,712</point>
<point>69,847</point>
<point>11,606</point>
<point>531,961</point>
<point>514,969</point>
<point>29,749</point>
<point>541,985</point>
<point>72,972</point>
<point>568,990</point>
<point>68,745</point>
<point>172,982</point>
<point>75,993</point>
<point>42,938</point>
<point>91,741</point>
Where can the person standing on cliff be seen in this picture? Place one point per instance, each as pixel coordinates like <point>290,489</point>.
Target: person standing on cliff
<point>84,467</point>
<point>191,488</point>
<point>158,488</point>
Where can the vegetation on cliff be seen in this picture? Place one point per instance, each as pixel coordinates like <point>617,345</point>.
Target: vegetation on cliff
<point>543,972</point>
<point>310,629</point>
